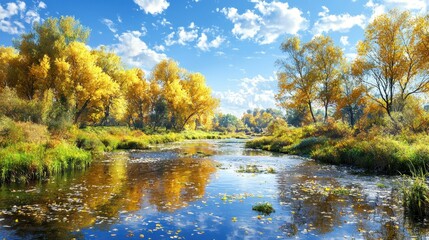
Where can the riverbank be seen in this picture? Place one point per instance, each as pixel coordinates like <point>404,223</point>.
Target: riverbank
<point>29,151</point>
<point>375,151</point>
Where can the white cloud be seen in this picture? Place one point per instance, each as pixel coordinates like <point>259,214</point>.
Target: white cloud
<point>341,23</point>
<point>110,24</point>
<point>153,7</point>
<point>7,14</point>
<point>159,48</point>
<point>382,6</point>
<point>266,22</point>
<point>344,40</point>
<point>42,5</point>
<point>351,56</point>
<point>407,4</point>
<point>169,40</point>
<point>164,22</point>
<point>205,46</point>
<point>186,36</point>
<point>135,52</point>
<point>10,10</point>
<point>255,92</point>
<point>192,25</point>
<point>181,37</point>
<point>31,17</point>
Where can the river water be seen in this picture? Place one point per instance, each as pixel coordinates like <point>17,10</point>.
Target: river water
<point>206,190</point>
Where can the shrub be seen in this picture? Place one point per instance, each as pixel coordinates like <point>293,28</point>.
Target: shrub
<point>133,144</point>
<point>89,142</point>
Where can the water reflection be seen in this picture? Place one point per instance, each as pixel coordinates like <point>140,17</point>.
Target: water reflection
<point>177,192</point>
<point>56,208</point>
<point>323,205</point>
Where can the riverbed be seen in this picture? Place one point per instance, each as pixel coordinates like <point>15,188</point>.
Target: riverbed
<point>206,189</point>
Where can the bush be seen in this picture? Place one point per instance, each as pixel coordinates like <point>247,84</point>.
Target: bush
<point>19,109</point>
<point>14,132</point>
<point>89,142</point>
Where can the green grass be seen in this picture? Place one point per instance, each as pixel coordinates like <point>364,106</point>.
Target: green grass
<point>263,208</point>
<point>416,196</point>
<point>391,154</point>
<point>28,151</point>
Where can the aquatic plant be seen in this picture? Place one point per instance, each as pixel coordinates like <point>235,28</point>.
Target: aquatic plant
<point>249,169</point>
<point>263,208</point>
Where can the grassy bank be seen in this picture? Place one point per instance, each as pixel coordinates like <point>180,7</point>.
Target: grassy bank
<point>29,151</point>
<point>374,151</point>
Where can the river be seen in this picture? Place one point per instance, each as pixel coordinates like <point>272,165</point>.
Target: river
<point>204,190</point>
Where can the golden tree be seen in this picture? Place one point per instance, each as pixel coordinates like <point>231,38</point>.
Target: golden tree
<point>297,83</point>
<point>325,59</point>
<point>390,58</point>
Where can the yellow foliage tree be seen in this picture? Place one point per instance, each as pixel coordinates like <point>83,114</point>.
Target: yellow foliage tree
<point>7,56</point>
<point>138,97</point>
<point>391,59</point>
<point>325,59</point>
<point>82,84</point>
<point>296,81</point>
<point>201,104</point>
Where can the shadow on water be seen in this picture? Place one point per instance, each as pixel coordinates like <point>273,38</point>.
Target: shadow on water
<point>197,190</point>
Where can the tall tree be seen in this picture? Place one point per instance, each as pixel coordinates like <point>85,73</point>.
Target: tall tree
<point>325,58</point>
<point>82,84</point>
<point>390,58</point>
<point>48,41</point>
<point>352,97</point>
<point>8,56</point>
<point>297,83</point>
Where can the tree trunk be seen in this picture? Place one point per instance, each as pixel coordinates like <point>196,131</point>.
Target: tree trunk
<point>311,111</point>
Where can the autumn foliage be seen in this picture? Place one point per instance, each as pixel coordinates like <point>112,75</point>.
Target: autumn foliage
<point>53,65</point>
<point>389,73</point>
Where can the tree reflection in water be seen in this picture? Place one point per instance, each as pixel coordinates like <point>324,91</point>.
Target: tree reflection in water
<point>97,196</point>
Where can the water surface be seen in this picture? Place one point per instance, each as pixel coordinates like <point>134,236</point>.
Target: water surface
<point>198,190</point>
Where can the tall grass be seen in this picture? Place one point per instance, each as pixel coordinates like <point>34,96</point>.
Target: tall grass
<point>337,144</point>
<point>28,151</point>
<point>416,195</point>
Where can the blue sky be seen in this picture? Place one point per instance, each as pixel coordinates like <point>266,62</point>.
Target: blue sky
<point>233,43</point>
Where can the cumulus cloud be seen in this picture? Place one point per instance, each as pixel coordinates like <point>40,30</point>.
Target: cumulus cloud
<point>255,92</point>
<point>181,37</point>
<point>205,46</point>
<point>135,52</point>
<point>8,12</point>
<point>32,16</point>
<point>344,40</point>
<point>153,7</point>
<point>341,23</point>
<point>110,24</point>
<point>42,5</point>
<point>381,6</point>
<point>185,36</point>
<point>266,22</point>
